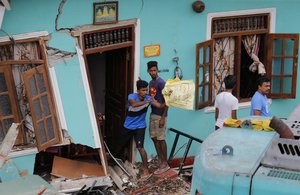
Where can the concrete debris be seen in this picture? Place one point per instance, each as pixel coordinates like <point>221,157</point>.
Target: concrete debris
<point>122,175</point>
<point>117,160</point>
<point>8,143</point>
<point>73,185</point>
<point>55,55</point>
<point>165,183</point>
<point>131,169</point>
<point>31,184</point>
<point>115,177</point>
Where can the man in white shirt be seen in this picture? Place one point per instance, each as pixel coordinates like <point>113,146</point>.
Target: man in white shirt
<point>226,104</point>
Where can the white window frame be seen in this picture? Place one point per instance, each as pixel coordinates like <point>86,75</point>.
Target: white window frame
<point>210,16</point>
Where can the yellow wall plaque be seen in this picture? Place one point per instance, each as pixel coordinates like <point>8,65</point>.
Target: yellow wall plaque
<point>152,50</point>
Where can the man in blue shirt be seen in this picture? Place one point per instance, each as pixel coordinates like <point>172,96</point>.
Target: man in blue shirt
<point>259,102</point>
<point>135,121</point>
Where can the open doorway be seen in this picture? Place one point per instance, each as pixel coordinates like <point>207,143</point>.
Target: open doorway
<point>111,80</point>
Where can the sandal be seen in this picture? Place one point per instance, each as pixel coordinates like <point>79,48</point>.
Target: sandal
<point>160,171</point>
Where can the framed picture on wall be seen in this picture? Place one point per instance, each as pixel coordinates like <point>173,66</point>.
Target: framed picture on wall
<point>105,12</point>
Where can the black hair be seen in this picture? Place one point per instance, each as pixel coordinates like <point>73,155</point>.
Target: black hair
<point>141,84</point>
<point>230,81</point>
<point>151,64</point>
<point>262,80</point>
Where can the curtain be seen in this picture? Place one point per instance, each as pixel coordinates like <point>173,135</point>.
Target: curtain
<point>251,44</point>
<point>223,62</point>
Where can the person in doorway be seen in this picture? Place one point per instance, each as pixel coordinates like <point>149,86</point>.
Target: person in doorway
<point>259,102</point>
<point>226,104</point>
<point>135,121</point>
<point>158,116</point>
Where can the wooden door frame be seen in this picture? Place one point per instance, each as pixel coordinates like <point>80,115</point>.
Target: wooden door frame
<point>135,68</point>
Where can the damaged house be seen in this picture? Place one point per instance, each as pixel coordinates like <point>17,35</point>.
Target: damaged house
<point>66,77</point>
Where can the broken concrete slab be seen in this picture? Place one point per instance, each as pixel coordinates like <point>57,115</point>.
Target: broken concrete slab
<point>121,174</point>
<point>73,185</point>
<point>73,169</point>
<point>8,142</point>
<point>131,170</point>
<point>31,184</point>
<point>115,177</point>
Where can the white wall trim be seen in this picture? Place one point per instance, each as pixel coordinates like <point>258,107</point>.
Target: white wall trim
<point>2,11</point>
<point>23,152</point>
<point>88,97</point>
<point>59,105</point>
<point>137,53</point>
<point>271,11</point>
<point>25,36</point>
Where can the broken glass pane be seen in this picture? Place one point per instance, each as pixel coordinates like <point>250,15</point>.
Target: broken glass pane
<point>3,86</point>
<point>8,122</point>
<point>5,105</point>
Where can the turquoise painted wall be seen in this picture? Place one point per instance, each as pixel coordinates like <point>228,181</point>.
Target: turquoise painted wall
<point>171,23</point>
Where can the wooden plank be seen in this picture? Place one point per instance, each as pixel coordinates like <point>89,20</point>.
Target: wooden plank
<point>73,169</point>
<point>108,47</point>
<point>12,62</point>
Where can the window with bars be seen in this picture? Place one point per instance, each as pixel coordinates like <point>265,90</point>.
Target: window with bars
<point>239,24</point>
<point>239,43</point>
<point>107,37</point>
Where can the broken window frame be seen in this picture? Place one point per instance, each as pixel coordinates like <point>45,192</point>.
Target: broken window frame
<point>41,61</point>
<point>41,107</point>
<point>15,113</point>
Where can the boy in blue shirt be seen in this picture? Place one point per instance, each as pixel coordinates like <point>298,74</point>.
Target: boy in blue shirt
<point>135,121</point>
